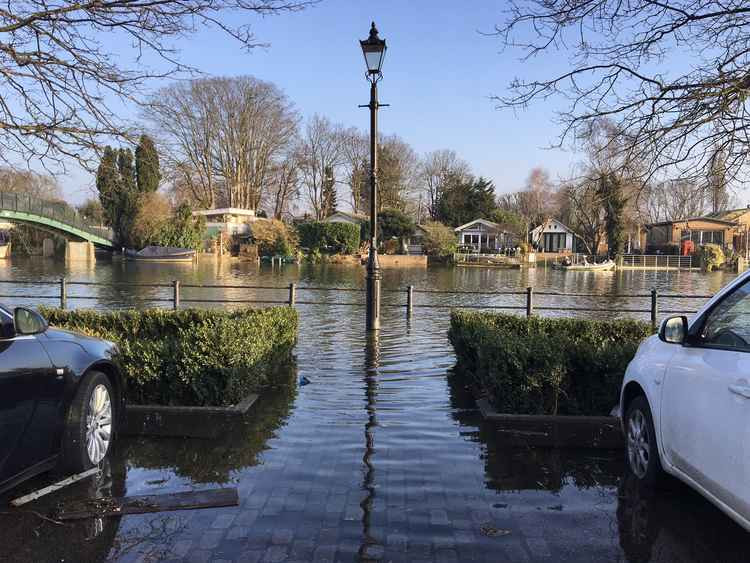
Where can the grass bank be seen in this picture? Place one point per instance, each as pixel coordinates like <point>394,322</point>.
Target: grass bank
<point>542,365</point>
<point>192,357</point>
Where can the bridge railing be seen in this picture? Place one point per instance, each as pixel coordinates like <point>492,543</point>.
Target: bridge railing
<point>54,210</point>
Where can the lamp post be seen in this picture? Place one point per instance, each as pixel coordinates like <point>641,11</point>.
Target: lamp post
<point>373,49</point>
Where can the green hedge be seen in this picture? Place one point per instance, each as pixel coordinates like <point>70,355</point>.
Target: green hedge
<point>191,356</point>
<point>329,238</point>
<point>545,366</point>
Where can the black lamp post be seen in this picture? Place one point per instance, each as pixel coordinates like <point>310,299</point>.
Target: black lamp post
<point>373,49</point>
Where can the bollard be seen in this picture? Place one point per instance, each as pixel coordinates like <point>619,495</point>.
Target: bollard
<point>292,294</point>
<point>409,302</point>
<point>529,301</point>
<point>654,308</point>
<point>63,293</point>
<point>175,294</point>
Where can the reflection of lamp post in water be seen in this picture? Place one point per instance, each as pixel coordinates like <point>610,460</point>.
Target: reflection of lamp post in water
<point>372,362</point>
<point>374,50</point>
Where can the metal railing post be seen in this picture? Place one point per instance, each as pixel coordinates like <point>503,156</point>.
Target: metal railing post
<point>175,294</point>
<point>63,293</point>
<point>409,302</point>
<point>292,294</point>
<point>654,308</point>
<point>529,301</point>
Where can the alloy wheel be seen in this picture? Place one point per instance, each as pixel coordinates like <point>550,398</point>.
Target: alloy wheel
<point>639,447</point>
<point>98,424</point>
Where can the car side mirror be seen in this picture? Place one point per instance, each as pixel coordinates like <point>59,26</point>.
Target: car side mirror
<point>27,321</point>
<point>674,330</point>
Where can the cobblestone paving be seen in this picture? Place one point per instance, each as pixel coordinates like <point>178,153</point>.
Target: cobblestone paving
<point>379,458</point>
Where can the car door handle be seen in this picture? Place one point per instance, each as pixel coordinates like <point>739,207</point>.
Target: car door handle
<point>741,390</point>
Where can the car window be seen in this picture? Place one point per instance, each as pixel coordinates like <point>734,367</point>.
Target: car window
<point>728,324</point>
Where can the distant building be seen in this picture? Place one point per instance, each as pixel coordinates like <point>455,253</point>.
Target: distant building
<point>725,228</point>
<point>344,217</point>
<point>229,220</point>
<point>553,236</point>
<point>485,236</point>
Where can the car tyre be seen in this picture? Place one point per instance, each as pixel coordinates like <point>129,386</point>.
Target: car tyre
<point>642,452</point>
<point>90,425</point>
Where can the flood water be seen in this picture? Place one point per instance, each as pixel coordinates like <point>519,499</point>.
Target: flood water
<point>381,456</point>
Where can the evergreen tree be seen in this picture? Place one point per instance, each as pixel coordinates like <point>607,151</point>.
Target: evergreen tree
<point>118,192</point>
<point>613,201</point>
<point>328,196</point>
<point>147,165</point>
<point>106,184</point>
<point>466,200</point>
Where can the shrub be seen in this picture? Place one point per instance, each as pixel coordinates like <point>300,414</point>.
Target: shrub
<point>191,357</point>
<point>711,257</point>
<point>273,238</point>
<point>182,230</point>
<point>439,239</point>
<point>393,223</point>
<point>545,366</point>
<point>329,238</point>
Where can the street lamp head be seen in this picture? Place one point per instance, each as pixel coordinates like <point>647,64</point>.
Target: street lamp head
<point>374,50</point>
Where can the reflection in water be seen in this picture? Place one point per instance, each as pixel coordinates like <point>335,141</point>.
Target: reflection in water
<point>675,524</point>
<point>372,362</point>
<point>443,486</point>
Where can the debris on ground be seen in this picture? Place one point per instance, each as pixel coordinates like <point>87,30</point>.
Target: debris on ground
<point>109,506</point>
<point>20,501</point>
<point>491,532</point>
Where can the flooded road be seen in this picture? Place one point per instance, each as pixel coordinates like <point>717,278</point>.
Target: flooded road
<point>380,457</point>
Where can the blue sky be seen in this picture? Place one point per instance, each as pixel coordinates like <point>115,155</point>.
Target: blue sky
<point>438,76</point>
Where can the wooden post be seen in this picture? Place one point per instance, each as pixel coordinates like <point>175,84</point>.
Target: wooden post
<point>175,294</point>
<point>63,293</point>
<point>654,308</point>
<point>292,294</point>
<point>409,302</point>
<point>529,301</point>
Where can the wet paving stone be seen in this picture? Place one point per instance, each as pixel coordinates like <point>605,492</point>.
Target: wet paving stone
<point>389,462</point>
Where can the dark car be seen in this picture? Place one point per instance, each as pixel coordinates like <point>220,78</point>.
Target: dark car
<point>61,398</point>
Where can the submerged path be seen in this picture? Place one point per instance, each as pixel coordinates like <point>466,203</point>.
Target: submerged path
<point>379,458</point>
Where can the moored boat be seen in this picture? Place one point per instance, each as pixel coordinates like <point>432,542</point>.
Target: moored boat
<point>161,254</point>
<point>586,266</point>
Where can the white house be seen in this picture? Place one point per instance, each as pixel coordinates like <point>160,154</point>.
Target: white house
<point>483,235</point>
<point>230,220</point>
<point>344,217</point>
<point>553,236</point>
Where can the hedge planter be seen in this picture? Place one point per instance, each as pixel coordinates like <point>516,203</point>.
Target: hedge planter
<point>186,422</point>
<point>190,357</point>
<point>548,368</point>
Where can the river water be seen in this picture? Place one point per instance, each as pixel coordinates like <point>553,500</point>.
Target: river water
<point>380,456</point>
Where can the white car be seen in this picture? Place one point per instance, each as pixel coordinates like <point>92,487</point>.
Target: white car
<point>685,401</point>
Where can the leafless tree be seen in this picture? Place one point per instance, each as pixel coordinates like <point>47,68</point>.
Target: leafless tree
<point>536,202</point>
<point>320,148</point>
<point>223,137</point>
<point>63,86</point>
<point>671,114</point>
<point>438,169</point>
<point>26,182</point>
<point>356,158</point>
<point>398,171</point>
<point>284,185</point>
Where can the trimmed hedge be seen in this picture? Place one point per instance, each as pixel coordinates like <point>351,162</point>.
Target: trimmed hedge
<point>543,365</point>
<point>191,357</point>
<point>329,238</point>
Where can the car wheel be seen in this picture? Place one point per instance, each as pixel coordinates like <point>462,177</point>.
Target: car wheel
<point>90,427</point>
<point>643,455</point>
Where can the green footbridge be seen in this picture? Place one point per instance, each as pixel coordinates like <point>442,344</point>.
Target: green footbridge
<point>52,216</point>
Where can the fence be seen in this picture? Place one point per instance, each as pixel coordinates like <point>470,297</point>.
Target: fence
<point>657,262</point>
<point>526,298</point>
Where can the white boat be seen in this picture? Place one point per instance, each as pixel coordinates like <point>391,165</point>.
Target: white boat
<point>586,266</point>
<point>161,254</point>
